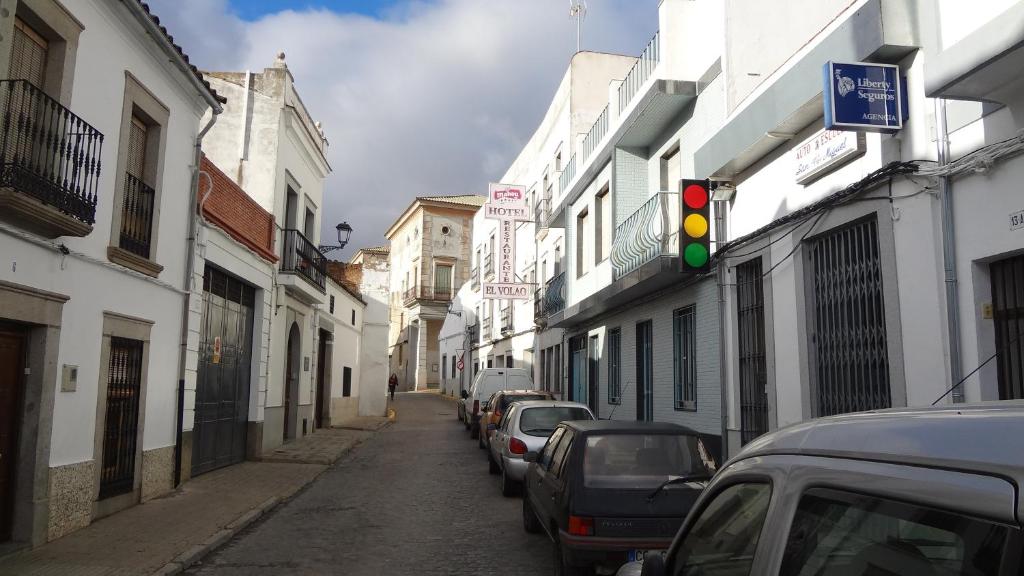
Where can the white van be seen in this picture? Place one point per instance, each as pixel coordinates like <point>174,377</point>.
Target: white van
<point>487,382</point>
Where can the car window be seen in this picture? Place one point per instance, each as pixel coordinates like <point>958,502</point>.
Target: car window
<point>836,532</point>
<point>640,461</point>
<point>558,459</point>
<point>724,537</point>
<point>549,448</point>
<point>503,425</point>
<point>540,421</point>
<point>510,398</point>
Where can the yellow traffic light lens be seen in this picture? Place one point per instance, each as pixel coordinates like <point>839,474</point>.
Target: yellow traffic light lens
<point>695,225</point>
<point>695,255</point>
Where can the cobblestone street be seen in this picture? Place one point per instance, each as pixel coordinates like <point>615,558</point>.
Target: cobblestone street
<point>414,499</point>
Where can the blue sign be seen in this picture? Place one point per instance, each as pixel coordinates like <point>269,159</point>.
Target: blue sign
<point>863,97</point>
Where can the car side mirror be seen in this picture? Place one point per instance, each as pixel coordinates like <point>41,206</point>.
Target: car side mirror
<point>464,394</point>
<point>654,565</point>
<point>530,457</point>
<point>492,427</point>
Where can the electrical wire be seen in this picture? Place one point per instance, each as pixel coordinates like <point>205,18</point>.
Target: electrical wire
<point>797,244</point>
<point>980,366</point>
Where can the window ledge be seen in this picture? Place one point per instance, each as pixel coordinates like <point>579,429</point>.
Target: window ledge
<point>686,407</point>
<point>127,259</point>
<point>32,215</point>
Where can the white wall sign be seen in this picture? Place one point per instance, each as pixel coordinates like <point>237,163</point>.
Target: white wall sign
<point>824,152</point>
<point>506,203</point>
<point>1017,220</point>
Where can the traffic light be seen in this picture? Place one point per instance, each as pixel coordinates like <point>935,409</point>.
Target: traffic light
<point>695,240</point>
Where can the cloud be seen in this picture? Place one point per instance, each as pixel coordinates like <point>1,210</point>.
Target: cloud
<point>431,98</point>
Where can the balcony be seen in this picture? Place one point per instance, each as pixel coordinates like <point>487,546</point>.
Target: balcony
<point>506,320</point>
<point>473,333</point>
<point>594,136</point>
<point>49,163</point>
<point>541,215</point>
<point>640,72</point>
<point>488,266</point>
<point>474,278</point>
<point>485,329</point>
<point>538,304</point>
<point>650,232</point>
<point>427,294</point>
<point>554,295</point>
<point>137,216</point>
<point>301,258</point>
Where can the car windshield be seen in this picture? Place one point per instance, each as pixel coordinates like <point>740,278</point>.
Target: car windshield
<point>541,421</point>
<point>510,398</point>
<point>643,461</point>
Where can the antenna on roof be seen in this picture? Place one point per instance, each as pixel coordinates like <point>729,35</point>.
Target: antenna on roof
<point>578,10</point>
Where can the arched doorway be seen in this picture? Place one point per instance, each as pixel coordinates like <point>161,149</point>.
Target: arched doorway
<point>291,381</point>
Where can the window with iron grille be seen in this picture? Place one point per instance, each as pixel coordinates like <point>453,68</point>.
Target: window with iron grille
<point>684,357</point>
<point>332,305</point>
<point>121,422</point>
<point>139,195</point>
<point>615,366</point>
<point>752,358</point>
<point>848,334</point>
<point>1007,277</point>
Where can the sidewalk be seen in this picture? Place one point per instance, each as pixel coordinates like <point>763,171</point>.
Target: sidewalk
<point>167,534</point>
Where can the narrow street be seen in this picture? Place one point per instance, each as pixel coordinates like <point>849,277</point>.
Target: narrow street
<point>414,499</point>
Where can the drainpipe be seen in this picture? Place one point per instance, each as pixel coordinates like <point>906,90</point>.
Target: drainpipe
<point>190,262</point>
<point>949,252</point>
<point>720,236</point>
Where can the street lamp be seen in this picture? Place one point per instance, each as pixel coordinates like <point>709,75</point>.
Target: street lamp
<point>344,233</point>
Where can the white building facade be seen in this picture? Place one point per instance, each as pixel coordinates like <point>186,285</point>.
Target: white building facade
<point>96,185</point>
<point>374,286</point>
<point>267,142</point>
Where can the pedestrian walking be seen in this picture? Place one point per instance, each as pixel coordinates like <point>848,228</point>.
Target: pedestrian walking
<point>392,384</point>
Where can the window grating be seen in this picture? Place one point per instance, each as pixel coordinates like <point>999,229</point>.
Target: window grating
<point>752,356</point>
<point>849,335</point>
<point>684,358</point>
<point>120,432</point>
<point>615,366</point>
<point>1008,319</point>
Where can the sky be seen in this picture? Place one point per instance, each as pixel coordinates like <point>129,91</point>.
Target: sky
<point>416,97</point>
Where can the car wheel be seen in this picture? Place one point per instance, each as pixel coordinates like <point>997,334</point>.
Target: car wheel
<point>492,466</point>
<point>530,522</point>
<point>508,485</point>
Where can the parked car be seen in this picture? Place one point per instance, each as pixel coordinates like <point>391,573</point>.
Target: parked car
<point>495,407</point>
<point>930,491</point>
<point>526,427</point>
<point>487,382</point>
<point>606,492</point>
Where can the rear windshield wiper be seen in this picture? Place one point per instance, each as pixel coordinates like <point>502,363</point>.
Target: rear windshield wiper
<point>677,480</point>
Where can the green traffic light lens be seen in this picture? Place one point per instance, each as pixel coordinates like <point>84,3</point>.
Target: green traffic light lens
<point>695,256</point>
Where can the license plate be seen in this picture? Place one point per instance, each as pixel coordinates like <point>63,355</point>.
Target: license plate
<point>639,555</point>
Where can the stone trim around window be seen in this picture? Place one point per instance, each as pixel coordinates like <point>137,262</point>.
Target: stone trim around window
<point>60,28</point>
<point>140,103</point>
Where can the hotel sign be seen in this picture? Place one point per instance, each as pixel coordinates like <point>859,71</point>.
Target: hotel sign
<point>507,204</point>
<point>864,97</point>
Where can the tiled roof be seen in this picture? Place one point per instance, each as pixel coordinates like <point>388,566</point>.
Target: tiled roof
<point>463,199</point>
<point>377,250</point>
<point>170,39</point>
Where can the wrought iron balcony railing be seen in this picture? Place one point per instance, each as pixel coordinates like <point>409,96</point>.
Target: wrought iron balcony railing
<point>640,72</point>
<point>554,295</point>
<point>651,231</point>
<point>473,332</point>
<point>542,212</point>
<point>485,329</point>
<point>488,265</point>
<point>47,152</point>
<point>474,277</point>
<point>434,294</point>
<point>594,136</point>
<point>565,178</point>
<point>538,302</point>
<point>506,320</point>
<point>300,256</point>
<point>137,216</point>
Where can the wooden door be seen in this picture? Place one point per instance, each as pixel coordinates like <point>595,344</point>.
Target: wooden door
<point>11,370</point>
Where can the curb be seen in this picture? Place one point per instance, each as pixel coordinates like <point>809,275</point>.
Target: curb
<point>187,559</point>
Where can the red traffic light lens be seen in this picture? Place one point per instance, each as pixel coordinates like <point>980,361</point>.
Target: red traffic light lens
<point>695,196</point>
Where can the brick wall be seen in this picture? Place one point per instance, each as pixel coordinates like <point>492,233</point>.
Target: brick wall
<point>231,209</point>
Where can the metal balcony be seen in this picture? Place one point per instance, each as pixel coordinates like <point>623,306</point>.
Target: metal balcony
<point>640,72</point>
<point>50,155</point>
<point>648,233</point>
<point>554,295</point>
<point>427,293</point>
<point>488,266</point>
<point>302,257</point>
<point>137,216</point>
<point>485,329</point>
<point>474,278</point>
<point>506,320</point>
<point>473,332</point>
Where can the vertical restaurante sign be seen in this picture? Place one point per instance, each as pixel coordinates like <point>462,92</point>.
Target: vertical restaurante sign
<point>863,96</point>
<point>507,204</point>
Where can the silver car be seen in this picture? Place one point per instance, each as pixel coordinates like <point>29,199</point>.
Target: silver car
<point>931,491</point>
<point>525,427</point>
